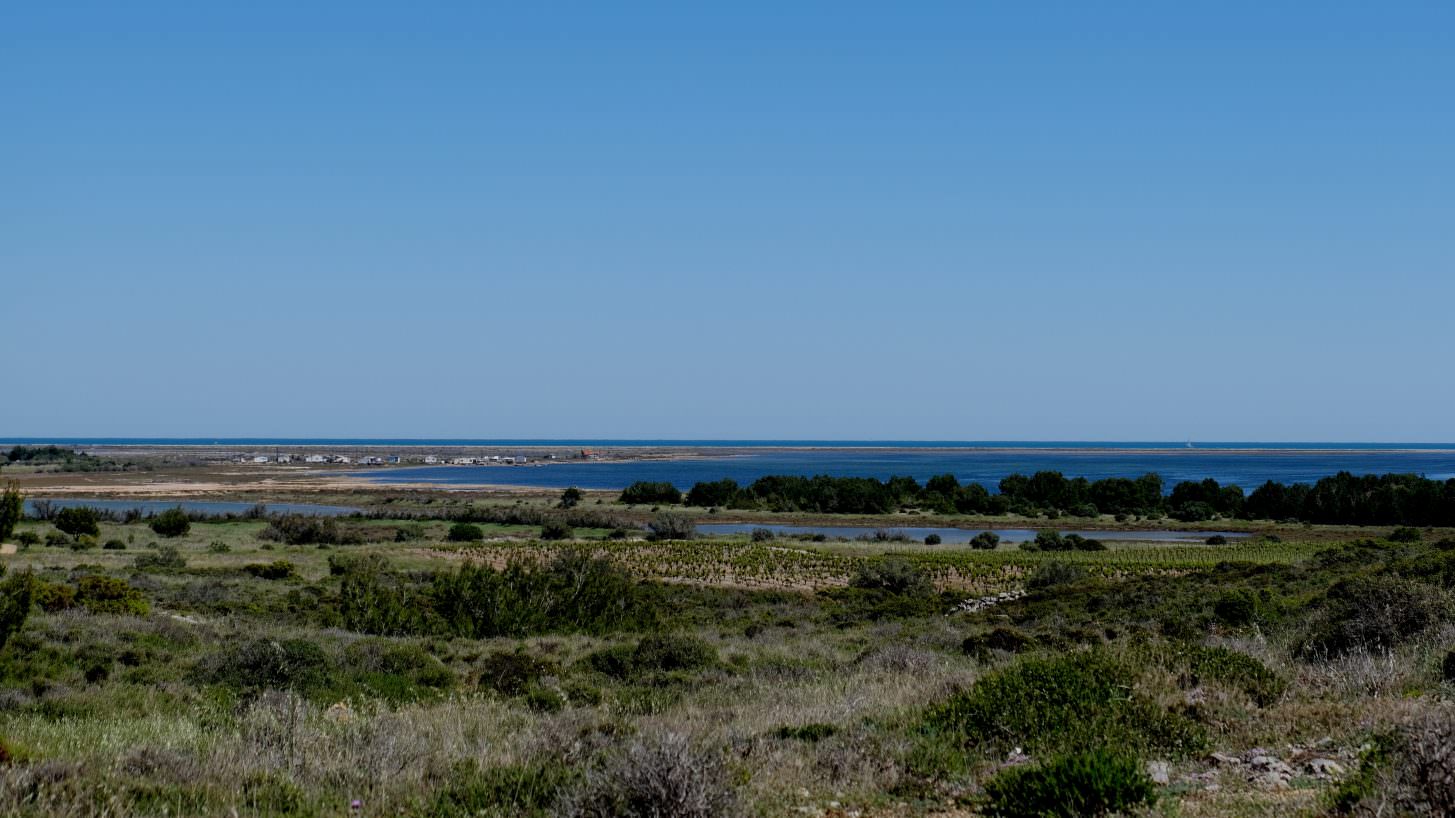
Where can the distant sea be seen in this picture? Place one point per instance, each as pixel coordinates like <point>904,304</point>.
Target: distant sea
<point>1247,464</point>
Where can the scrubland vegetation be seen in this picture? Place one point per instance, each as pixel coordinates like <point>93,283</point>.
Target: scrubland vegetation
<point>568,663</point>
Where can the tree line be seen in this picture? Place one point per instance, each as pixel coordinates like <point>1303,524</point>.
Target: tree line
<point>1344,498</point>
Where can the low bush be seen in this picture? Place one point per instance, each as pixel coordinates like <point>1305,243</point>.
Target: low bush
<point>277,569</point>
<point>114,545</point>
<point>465,532</point>
<point>528,791</point>
<point>1236,609</point>
<point>1234,669</point>
<point>763,535</point>
<point>816,731</point>
<point>1090,783</point>
<point>985,541</point>
<point>164,559</point>
<point>644,492</point>
<point>98,594</point>
<point>512,673</point>
<point>269,664</point>
<point>1000,638</point>
<point>17,594</point>
<point>171,523</point>
<point>1405,534</point>
<point>77,521</point>
<point>1067,703</point>
<point>671,651</point>
<point>556,530</point>
<point>1051,574</point>
<point>1375,614</point>
<point>1216,539</point>
<point>1410,773</point>
<point>892,574</point>
<point>655,777</point>
<point>302,529</point>
<point>669,526</point>
<point>932,539</point>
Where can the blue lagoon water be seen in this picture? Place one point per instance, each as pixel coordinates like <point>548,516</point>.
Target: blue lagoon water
<point>1244,467</point>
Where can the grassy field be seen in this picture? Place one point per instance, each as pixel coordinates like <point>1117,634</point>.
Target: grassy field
<point>226,671</point>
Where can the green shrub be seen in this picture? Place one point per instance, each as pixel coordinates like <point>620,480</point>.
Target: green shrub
<point>17,594</point>
<point>513,673</point>
<point>528,791</point>
<point>1090,783</point>
<point>1238,670</point>
<point>1216,539</point>
<point>52,597</point>
<point>644,492</point>
<point>1447,666</point>
<point>985,541</point>
<point>657,776</point>
<point>397,672</point>
<point>269,664</point>
<point>277,569</point>
<point>27,538</point>
<point>933,539</point>
<point>164,559</point>
<point>556,530</point>
<point>814,732</point>
<point>466,532</point>
<point>1405,534</point>
<point>669,526</point>
<point>12,510</point>
<point>1001,638</point>
<point>763,535</point>
<point>99,594</point>
<point>1051,574</point>
<point>302,529</point>
<point>671,651</point>
<point>77,521</point>
<point>571,497</point>
<point>171,523</point>
<point>218,547</point>
<point>1062,704</point>
<point>892,574</point>
<point>574,593</point>
<point>1375,614</point>
<point>1236,609</point>
<point>114,545</point>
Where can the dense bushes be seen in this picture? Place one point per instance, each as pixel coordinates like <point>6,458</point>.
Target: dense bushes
<point>17,594</point>
<point>1375,614</point>
<point>657,776</point>
<point>78,521</point>
<point>1410,772</point>
<point>171,523</point>
<point>277,569</point>
<point>1067,703</point>
<point>163,559</point>
<point>669,526</point>
<point>12,511</point>
<point>556,530</point>
<point>465,532</point>
<point>268,664</point>
<point>1091,783</point>
<point>985,541</point>
<point>1344,498</point>
<point>302,529</point>
<point>571,594</point>
<point>644,492</point>
<point>894,575</point>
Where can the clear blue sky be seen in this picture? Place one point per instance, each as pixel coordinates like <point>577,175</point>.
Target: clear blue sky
<point>960,220</point>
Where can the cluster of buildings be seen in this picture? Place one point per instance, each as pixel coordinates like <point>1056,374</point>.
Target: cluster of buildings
<point>434,460</point>
<point>321,458</point>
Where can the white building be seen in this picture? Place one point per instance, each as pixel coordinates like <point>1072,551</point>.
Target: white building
<point>430,459</point>
<point>315,458</point>
<point>262,458</point>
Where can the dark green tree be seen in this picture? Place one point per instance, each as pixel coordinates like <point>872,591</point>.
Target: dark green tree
<point>78,521</point>
<point>12,510</point>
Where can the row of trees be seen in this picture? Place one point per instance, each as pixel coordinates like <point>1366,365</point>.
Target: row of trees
<point>1344,498</point>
